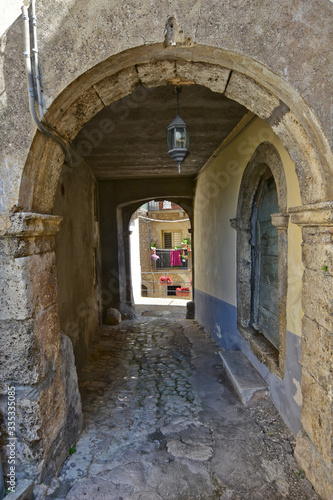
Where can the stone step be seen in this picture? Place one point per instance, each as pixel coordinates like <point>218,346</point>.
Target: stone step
<point>244,377</point>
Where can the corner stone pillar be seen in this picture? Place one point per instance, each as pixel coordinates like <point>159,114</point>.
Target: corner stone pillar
<point>34,357</point>
<point>314,448</point>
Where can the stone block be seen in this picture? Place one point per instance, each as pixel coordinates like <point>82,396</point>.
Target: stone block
<point>251,95</point>
<point>46,341</point>
<point>317,415</point>
<point>150,74</point>
<point>190,310</point>
<point>80,112</point>
<point>16,295</point>
<point>317,298</point>
<point>317,249</point>
<point>28,285</point>
<point>22,246</point>
<point>30,349</point>
<point>16,359</point>
<point>73,398</point>
<point>317,471</point>
<point>44,280</point>
<point>244,377</point>
<point>317,350</point>
<point>72,422</point>
<point>117,86</point>
<point>113,316</point>
<point>302,153</point>
<point>213,77</point>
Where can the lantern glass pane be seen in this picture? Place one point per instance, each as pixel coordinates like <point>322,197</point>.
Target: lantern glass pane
<point>180,137</point>
<point>171,138</point>
<point>187,142</point>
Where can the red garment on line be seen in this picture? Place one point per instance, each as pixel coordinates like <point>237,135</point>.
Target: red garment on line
<point>175,258</point>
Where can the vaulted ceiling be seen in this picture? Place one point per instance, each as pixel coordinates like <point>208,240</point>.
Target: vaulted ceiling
<point>131,138</point>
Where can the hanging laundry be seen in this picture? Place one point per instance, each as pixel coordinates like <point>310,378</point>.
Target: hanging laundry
<point>175,258</point>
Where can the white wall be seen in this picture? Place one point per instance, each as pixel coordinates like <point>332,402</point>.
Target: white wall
<point>135,259</point>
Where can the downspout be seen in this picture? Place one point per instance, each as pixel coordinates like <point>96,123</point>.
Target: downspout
<point>35,56</point>
<point>28,70</point>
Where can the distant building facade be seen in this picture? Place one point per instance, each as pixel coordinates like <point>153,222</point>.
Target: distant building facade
<point>165,250</point>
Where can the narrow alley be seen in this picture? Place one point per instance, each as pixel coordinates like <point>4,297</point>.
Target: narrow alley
<point>161,421</point>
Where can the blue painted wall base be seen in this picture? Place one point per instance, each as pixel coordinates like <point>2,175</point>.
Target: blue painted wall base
<point>220,320</point>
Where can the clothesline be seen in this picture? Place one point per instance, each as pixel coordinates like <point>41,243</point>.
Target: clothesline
<point>162,220</point>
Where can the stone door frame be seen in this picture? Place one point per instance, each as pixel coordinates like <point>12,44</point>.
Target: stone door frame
<point>265,156</point>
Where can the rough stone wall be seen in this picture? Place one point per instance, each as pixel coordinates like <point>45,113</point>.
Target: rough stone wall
<point>314,449</point>
<point>215,203</point>
<point>77,253</point>
<point>277,53</point>
<point>34,358</point>
<point>261,54</point>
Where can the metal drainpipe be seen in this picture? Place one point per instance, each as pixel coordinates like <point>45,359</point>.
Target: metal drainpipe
<point>35,56</point>
<point>31,92</point>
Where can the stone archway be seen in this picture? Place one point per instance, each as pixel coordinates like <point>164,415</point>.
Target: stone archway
<point>124,214</point>
<point>241,79</point>
<point>262,93</point>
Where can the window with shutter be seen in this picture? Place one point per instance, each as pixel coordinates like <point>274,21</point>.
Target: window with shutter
<point>177,238</point>
<point>167,240</point>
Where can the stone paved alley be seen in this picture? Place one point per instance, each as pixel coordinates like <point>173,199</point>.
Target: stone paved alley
<point>162,422</point>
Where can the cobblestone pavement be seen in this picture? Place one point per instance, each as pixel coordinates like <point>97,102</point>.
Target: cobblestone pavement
<point>162,422</point>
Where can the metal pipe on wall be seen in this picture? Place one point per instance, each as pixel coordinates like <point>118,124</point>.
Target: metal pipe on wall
<point>30,82</point>
<point>35,57</point>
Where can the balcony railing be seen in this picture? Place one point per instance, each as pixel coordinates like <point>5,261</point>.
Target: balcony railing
<point>164,261</point>
<point>154,289</point>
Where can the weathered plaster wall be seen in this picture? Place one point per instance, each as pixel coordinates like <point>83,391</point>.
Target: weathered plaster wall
<point>215,259</point>
<point>77,254</point>
<point>216,203</point>
<point>288,52</point>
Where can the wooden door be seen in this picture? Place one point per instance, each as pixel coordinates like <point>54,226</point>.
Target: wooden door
<point>265,276</point>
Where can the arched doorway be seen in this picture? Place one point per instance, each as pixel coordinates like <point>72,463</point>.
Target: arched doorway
<point>38,187</point>
<point>161,247</point>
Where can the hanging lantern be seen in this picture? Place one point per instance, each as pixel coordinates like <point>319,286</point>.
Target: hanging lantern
<point>178,136</point>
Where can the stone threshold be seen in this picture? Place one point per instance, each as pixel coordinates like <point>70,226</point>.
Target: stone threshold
<point>245,379</point>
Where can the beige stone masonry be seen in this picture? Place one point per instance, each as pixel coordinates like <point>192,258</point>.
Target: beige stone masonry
<point>316,214</point>
<point>319,473</point>
<point>251,94</point>
<point>150,74</point>
<point>117,86</point>
<point>280,221</point>
<point>213,77</point>
<point>30,341</point>
<point>314,450</point>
